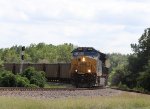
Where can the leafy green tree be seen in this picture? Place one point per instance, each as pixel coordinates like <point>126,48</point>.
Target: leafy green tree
<point>64,52</point>
<point>136,70</point>
<point>1,63</point>
<point>38,53</point>
<point>139,66</point>
<point>144,78</point>
<point>118,63</point>
<point>9,55</point>
<point>117,59</point>
<point>142,49</point>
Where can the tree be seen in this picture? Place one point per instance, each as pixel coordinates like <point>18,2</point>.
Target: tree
<point>118,66</point>
<point>144,78</point>
<point>38,53</point>
<point>64,52</point>
<point>135,72</point>
<point>142,49</point>
<point>139,64</point>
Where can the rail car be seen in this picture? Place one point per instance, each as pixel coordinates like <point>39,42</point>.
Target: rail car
<point>89,67</point>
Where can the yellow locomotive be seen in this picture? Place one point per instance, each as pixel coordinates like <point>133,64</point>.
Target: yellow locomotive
<point>88,67</point>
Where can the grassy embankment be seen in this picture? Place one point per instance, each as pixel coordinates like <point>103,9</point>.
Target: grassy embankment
<point>124,101</point>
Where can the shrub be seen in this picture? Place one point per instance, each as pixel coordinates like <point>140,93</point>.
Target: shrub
<point>144,80</point>
<point>22,81</point>
<point>29,72</point>
<point>29,78</point>
<point>117,76</point>
<point>7,79</point>
<point>122,86</point>
<point>138,88</point>
<point>35,77</point>
<point>38,79</point>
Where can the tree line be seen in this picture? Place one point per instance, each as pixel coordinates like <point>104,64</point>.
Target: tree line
<point>133,71</point>
<point>38,53</point>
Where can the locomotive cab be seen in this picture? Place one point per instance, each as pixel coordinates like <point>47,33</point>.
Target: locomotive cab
<point>86,67</point>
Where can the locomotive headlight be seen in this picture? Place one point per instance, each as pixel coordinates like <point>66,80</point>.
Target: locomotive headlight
<point>83,59</point>
<point>89,71</point>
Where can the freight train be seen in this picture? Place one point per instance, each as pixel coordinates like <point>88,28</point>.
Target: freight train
<point>89,67</point>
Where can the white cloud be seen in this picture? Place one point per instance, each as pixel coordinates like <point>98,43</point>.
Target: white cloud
<point>109,25</point>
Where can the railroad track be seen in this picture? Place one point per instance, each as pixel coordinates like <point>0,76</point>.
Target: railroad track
<point>45,89</point>
<point>131,90</point>
<point>65,89</point>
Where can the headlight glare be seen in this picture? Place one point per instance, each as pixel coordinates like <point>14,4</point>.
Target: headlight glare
<point>76,70</point>
<point>83,59</point>
<point>89,71</point>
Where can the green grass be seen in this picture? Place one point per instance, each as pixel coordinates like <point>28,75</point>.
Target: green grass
<point>124,101</point>
<point>55,85</point>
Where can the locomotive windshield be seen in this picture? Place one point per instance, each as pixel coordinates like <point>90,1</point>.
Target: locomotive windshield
<point>85,51</point>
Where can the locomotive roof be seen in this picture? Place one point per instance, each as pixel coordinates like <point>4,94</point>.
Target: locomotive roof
<point>84,49</point>
<point>88,49</point>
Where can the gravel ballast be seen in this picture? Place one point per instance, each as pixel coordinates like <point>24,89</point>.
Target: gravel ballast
<point>61,93</point>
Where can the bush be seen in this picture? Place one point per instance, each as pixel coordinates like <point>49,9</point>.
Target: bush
<point>22,81</point>
<point>38,79</point>
<point>35,77</point>
<point>29,72</point>
<point>139,89</point>
<point>29,78</point>
<point>7,79</point>
<point>144,80</point>
<point>117,76</point>
<point>122,86</point>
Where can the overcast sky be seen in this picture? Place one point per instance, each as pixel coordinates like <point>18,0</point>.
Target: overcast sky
<point>107,25</point>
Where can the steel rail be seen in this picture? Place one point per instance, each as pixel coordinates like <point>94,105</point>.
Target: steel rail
<point>130,90</point>
<point>45,89</point>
